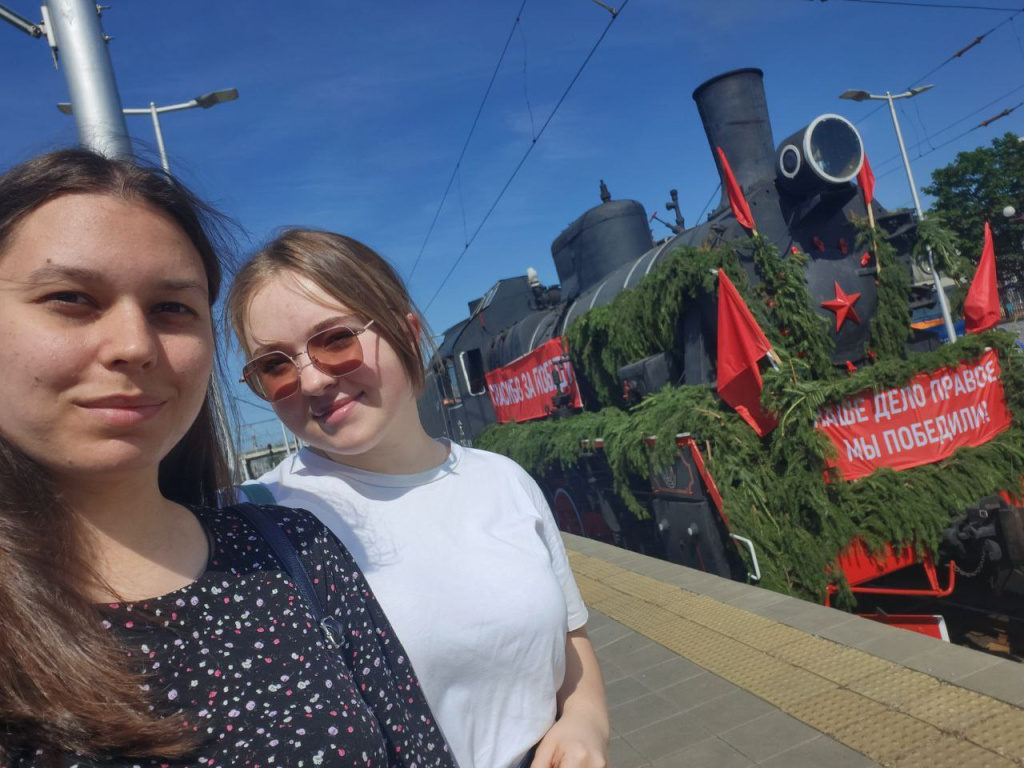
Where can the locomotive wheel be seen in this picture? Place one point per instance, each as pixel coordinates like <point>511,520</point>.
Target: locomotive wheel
<point>567,514</point>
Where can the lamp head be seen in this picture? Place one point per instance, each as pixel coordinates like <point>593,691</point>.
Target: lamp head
<point>920,89</point>
<point>855,95</point>
<point>208,100</point>
<point>64,107</point>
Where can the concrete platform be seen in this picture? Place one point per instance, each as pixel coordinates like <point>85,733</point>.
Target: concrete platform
<point>703,671</point>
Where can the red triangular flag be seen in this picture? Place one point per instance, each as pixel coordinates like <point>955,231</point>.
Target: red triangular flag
<point>737,201</point>
<point>866,182</point>
<point>741,344</point>
<point>981,309</point>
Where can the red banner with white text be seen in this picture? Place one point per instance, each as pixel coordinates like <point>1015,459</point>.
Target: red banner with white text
<point>526,388</point>
<point>920,423</point>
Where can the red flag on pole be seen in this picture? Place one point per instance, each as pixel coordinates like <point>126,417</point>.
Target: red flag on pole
<point>981,309</point>
<point>866,182</point>
<point>741,344</point>
<point>737,201</point>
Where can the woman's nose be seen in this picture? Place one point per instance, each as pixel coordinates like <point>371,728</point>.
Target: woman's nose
<point>312,380</point>
<point>130,339</point>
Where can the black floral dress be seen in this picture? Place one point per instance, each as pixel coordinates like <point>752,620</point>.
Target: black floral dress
<point>239,652</point>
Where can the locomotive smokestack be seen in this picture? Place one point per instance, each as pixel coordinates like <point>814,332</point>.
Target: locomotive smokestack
<point>734,112</point>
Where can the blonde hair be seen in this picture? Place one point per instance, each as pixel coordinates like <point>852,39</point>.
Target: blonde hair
<point>348,271</point>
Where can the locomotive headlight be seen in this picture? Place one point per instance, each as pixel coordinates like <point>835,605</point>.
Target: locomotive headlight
<point>828,151</point>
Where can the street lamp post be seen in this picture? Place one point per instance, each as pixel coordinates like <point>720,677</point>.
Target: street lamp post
<point>205,101</point>
<point>890,98</point>
<point>75,36</point>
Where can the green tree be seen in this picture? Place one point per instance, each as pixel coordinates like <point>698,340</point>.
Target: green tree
<point>976,187</point>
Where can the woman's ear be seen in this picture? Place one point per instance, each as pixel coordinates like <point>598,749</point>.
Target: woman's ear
<point>415,327</point>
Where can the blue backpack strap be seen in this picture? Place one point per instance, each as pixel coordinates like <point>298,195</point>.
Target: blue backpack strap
<point>257,493</point>
<point>266,524</point>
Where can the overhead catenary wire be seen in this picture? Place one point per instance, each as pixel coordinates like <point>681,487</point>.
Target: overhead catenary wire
<point>526,154</point>
<point>944,6</point>
<point>983,124</point>
<point>526,89</point>
<point>700,216</point>
<point>920,119</point>
<point>250,403</point>
<point>1020,43</point>
<point>977,41</point>
<point>469,137</point>
<point>968,116</point>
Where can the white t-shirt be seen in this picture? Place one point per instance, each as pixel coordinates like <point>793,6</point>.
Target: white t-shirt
<point>469,566</point>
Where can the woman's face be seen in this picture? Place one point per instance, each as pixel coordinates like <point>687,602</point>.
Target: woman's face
<point>106,334</point>
<point>355,418</point>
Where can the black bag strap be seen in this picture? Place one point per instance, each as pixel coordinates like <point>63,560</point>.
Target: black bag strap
<point>257,493</point>
<point>267,526</point>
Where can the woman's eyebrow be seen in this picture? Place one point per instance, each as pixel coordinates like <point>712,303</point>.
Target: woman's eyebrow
<point>49,273</point>
<point>323,325</point>
<point>184,285</point>
<point>333,322</point>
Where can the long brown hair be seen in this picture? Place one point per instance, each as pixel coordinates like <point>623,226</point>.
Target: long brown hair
<point>350,272</point>
<point>65,681</point>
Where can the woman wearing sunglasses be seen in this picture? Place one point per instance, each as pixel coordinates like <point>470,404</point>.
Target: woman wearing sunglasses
<point>139,625</point>
<point>458,544</point>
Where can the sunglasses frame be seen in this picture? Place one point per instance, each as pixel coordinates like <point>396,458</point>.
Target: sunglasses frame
<point>300,368</point>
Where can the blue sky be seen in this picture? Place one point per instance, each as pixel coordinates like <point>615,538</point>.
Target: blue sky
<point>351,116</point>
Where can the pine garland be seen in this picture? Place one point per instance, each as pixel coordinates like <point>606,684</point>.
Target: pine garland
<point>890,327</point>
<point>794,326</point>
<point>645,320</point>
<point>774,489</point>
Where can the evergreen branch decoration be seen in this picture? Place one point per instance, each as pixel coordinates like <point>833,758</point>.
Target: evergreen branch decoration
<point>645,320</point>
<point>774,490</point>
<point>794,325</point>
<point>890,327</point>
<point>932,233</point>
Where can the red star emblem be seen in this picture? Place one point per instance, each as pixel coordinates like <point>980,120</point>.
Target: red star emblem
<point>842,305</point>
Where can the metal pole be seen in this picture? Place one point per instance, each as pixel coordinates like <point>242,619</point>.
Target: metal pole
<point>939,292</point>
<point>159,137</point>
<point>287,442</point>
<point>20,22</point>
<point>90,76</point>
<point>221,419</point>
<point>219,411</point>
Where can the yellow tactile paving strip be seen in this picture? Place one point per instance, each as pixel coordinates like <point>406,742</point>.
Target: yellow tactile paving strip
<point>894,715</point>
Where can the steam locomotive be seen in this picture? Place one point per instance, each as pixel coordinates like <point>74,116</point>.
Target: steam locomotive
<point>801,197</point>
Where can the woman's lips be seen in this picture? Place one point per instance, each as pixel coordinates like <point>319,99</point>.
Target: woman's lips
<point>123,411</point>
<point>336,412</point>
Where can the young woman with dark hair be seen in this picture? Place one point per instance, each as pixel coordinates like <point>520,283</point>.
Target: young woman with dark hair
<point>139,625</point>
<point>458,544</point>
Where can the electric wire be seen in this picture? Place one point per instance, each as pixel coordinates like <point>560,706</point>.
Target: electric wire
<point>906,120</point>
<point>920,120</point>
<point>946,6</point>
<point>469,137</point>
<point>949,127</point>
<point>462,207</point>
<point>1020,44</point>
<point>249,402</point>
<point>526,90</point>
<point>977,41</point>
<point>950,141</point>
<point>526,154</point>
<point>700,216</point>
